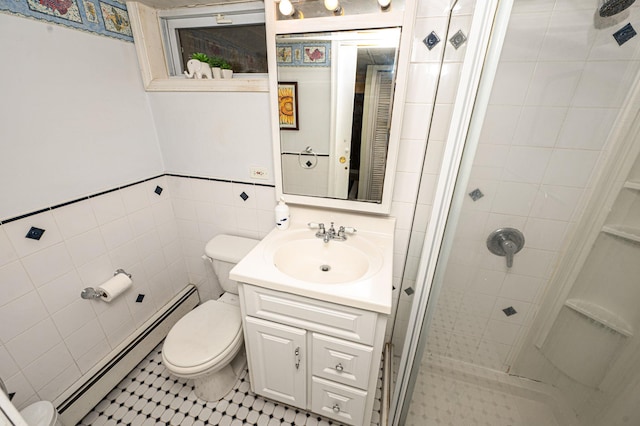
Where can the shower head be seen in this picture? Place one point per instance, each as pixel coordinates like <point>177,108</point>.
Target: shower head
<point>613,7</point>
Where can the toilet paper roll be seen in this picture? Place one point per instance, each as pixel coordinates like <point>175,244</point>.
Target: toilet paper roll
<point>115,287</point>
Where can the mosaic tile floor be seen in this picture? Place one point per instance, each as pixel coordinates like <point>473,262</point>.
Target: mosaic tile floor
<point>447,395</point>
<point>150,396</point>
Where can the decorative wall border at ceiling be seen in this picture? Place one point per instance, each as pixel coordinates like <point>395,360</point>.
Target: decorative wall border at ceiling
<point>312,54</point>
<point>104,17</point>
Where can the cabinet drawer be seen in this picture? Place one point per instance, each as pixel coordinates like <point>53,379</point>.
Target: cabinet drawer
<point>315,315</point>
<point>341,361</point>
<point>336,401</point>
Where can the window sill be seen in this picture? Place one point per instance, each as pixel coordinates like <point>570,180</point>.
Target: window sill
<point>240,84</point>
<point>151,59</point>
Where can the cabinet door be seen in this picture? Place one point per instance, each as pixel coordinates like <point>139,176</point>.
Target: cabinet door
<point>277,359</point>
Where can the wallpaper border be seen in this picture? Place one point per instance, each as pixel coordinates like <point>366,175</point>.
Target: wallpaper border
<point>107,18</point>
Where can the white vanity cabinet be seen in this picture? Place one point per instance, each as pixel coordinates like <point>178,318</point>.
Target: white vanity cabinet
<point>312,354</point>
<point>277,368</point>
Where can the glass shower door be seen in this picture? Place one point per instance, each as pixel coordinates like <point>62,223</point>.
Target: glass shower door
<point>485,37</point>
<point>534,145</point>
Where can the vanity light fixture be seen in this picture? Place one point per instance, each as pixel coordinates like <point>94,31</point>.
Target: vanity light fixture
<point>334,6</point>
<point>287,9</point>
<point>384,4</point>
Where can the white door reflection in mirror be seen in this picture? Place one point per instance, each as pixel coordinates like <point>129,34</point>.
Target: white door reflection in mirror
<point>344,97</point>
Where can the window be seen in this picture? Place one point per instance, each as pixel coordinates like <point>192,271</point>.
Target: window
<point>234,32</point>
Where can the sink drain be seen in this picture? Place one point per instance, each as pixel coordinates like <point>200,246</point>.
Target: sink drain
<point>325,268</point>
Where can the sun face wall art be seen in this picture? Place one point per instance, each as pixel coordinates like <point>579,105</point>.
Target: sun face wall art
<point>288,105</point>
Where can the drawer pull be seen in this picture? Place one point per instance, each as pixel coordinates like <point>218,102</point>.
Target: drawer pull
<point>336,408</point>
<point>297,354</point>
<point>339,367</point>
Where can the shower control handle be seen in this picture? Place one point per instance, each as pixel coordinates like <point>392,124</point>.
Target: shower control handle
<point>505,242</point>
<point>510,249</point>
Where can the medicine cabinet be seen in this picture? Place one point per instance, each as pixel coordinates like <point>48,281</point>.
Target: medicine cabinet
<point>312,47</point>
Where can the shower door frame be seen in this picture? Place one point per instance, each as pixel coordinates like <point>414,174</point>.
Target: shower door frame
<point>486,37</point>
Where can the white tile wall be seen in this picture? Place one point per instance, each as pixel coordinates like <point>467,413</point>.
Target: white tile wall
<point>49,336</point>
<point>47,324</point>
<point>206,208</point>
<point>25,246</point>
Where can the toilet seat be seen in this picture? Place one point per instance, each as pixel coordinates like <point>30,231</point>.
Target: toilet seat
<point>204,340</point>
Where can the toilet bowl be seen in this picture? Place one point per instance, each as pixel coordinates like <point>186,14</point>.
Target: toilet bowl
<point>206,345</point>
<point>41,413</point>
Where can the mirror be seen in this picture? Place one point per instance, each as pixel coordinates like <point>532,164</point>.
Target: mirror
<point>335,98</point>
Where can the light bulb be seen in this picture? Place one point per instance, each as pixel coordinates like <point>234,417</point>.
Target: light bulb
<point>384,3</point>
<point>331,4</point>
<point>286,8</point>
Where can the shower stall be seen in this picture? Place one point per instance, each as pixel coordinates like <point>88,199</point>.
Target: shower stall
<point>544,138</point>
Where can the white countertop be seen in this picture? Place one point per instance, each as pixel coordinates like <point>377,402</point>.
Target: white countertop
<point>371,292</point>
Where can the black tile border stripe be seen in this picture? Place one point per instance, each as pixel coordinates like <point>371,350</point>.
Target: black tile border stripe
<point>267,185</point>
<point>57,206</point>
<point>23,216</point>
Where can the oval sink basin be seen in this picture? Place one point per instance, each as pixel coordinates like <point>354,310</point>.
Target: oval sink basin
<point>334,262</point>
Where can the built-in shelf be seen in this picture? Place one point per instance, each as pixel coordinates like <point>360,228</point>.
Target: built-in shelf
<point>626,232</point>
<point>600,315</point>
<point>632,185</point>
<point>205,85</point>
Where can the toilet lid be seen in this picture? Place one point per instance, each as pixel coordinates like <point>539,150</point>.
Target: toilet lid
<point>229,248</point>
<point>202,334</point>
<point>39,413</point>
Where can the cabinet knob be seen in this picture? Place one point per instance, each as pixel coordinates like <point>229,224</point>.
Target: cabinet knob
<point>339,367</point>
<point>336,408</point>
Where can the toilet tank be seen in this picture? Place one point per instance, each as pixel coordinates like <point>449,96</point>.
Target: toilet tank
<point>225,251</point>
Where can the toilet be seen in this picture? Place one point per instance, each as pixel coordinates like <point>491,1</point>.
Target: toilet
<point>41,413</point>
<point>205,345</point>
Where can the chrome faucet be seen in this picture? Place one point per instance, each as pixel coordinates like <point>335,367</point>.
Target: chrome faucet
<point>331,233</point>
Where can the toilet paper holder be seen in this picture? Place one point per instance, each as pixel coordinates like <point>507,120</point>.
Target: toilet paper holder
<point>92,293</point>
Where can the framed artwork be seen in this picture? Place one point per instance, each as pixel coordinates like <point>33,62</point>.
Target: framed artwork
<point>288,105</point>
<point>302,54</point>
<point>314,54</point>
<point>283,54</point>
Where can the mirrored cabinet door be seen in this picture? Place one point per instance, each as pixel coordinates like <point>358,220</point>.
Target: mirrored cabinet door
<point>335,94</point>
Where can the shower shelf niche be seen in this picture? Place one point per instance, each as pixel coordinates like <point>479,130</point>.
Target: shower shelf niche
<point>591,338</point>
<point>632,185</point>
<point>626,232</point>
<point>600,315</point>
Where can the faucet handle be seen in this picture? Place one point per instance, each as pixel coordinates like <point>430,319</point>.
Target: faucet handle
<point>349,229</point>
<point>318,226</point>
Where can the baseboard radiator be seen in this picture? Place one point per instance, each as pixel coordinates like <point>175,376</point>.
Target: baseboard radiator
<point>87,392</point>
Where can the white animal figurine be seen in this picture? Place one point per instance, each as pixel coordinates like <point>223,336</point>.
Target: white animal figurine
<point>198,70</point>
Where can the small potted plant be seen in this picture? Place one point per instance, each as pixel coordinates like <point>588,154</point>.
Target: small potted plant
<point>216,65</point>
<point>227,72</point>
<point>202,57</point>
